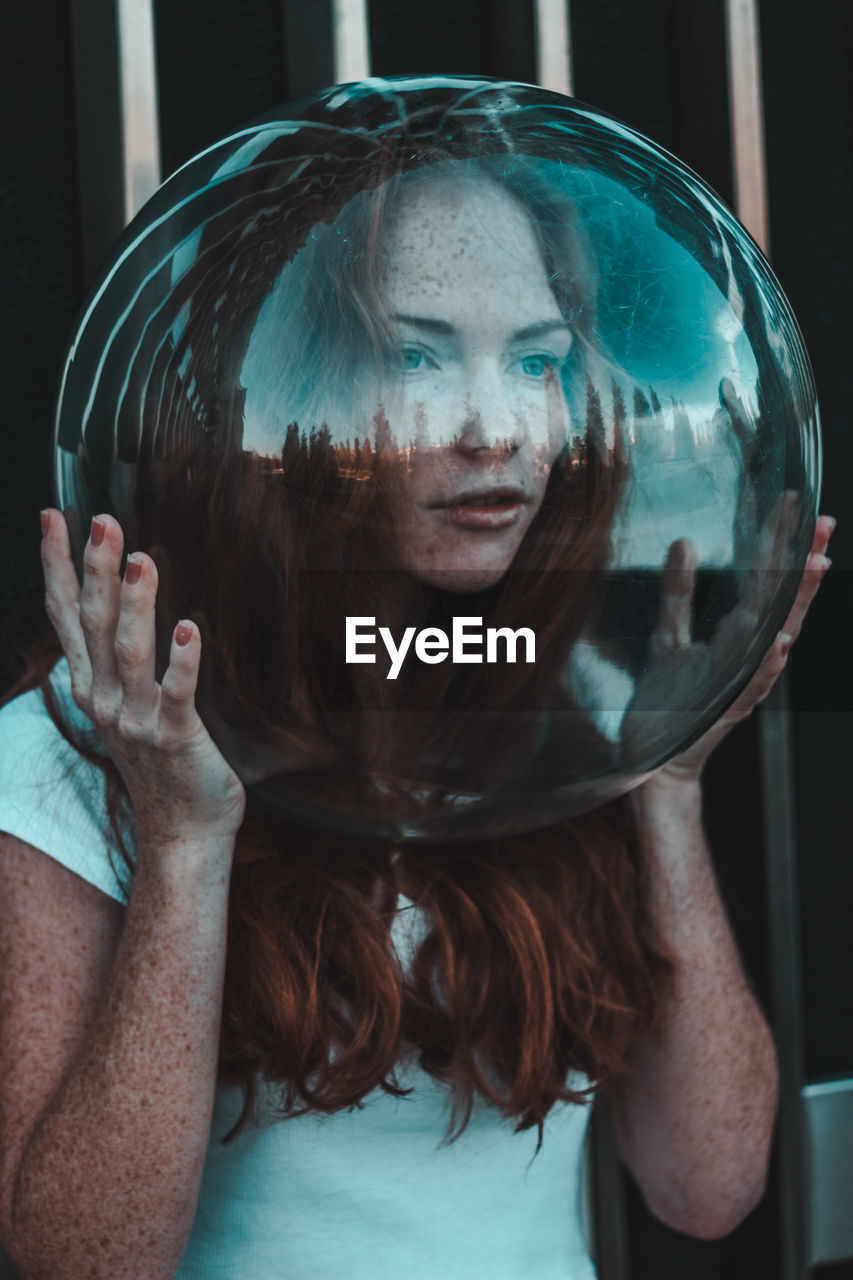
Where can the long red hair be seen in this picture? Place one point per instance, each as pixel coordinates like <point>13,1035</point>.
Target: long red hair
<point>541,957</point>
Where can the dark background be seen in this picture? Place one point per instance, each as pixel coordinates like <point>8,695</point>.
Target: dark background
<point>658,65</point>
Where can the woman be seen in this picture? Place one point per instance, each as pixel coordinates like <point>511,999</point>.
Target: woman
<point>594,954</point>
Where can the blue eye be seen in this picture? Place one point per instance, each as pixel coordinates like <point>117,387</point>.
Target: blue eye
<point>536,366</point>
<point>415,360</point>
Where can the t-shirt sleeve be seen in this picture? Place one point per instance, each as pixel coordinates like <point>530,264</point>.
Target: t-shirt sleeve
<point>53,798</point>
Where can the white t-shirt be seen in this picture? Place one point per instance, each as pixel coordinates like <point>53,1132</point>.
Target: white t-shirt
<point>367,1194</point>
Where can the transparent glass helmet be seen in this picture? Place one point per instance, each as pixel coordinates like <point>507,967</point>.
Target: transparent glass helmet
<point>428,396</point>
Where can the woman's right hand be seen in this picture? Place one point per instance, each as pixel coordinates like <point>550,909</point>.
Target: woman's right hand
<point>180,784</point>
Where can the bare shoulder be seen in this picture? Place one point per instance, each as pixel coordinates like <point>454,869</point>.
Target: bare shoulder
<point>58,936</point>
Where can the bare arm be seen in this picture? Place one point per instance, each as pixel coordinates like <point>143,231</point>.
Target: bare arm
<point>116,1013</point>
<point>694,1124</point>
<point>110,1026</point>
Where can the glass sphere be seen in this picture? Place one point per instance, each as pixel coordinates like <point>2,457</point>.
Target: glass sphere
<point>475,433</point>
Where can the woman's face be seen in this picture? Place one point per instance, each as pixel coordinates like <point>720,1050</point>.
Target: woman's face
<point>472,392</point>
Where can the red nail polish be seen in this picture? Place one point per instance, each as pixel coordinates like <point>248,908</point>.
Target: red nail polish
<point>183,635</point>
<point>98,531</point>
<point>132,570</point>
<point>45,522</point>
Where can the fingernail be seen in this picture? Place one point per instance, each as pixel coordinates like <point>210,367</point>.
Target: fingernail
<point>132,570</point>
<point>98,531</point>
<point>787,641</point>
<point>183,634</point>
<point>45,522</point>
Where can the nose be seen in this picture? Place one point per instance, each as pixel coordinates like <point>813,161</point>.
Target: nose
<point>489,425</point>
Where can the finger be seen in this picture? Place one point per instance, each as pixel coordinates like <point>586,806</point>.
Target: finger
<point>772,666</point>
<point>762,580</point>
<point>740,623</point>
<point>738,415</point>
<point>814,573</point>
<point>824,530</point>
<point>99,610</point>
<point>770,554</point>
<point>62,597</point>
<point>677,584</point>
<point>136,641</point>
<point>178,687</point>
<point>162,611</point>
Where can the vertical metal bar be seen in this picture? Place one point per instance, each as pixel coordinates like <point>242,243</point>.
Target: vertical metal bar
<point>118,143</point>
<point>774,716</point>
<point>828,1127</point>
<point>587,1200</point>
<point>746,115</point>
<point>553,44</point>
<point>611,1211</point>
<point>137,55</point>
<point>350,40</point>
<point>774,727</point>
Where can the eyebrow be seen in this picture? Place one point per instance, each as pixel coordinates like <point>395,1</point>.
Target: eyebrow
<point>444,329</point>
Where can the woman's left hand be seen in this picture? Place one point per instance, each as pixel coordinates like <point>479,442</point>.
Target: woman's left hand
<point>681,655</point>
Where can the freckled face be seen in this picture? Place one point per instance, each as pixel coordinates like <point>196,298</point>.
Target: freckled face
<point>472,394</point>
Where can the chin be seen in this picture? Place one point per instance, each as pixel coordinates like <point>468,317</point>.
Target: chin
<point>462,581</point>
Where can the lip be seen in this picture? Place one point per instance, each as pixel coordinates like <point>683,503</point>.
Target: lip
<point>494,508</point>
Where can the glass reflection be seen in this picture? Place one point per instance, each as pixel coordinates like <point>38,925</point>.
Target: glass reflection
<point>440,349</point>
